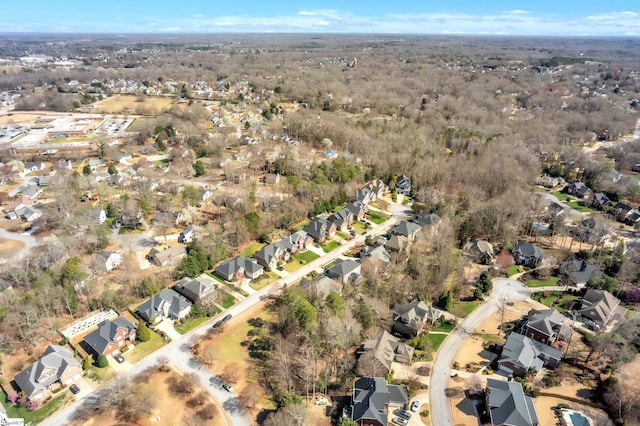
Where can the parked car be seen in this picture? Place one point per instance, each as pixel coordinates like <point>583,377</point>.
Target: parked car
<point>119,358</point>
<point>415,405</point>
<point>74,389</point>
<point>226,318</point>
<point>217,324</point>
<point>403,413</point>
<point>227,387</point>
<point>399,421</point>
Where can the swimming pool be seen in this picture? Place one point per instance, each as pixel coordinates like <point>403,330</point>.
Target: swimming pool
<point>573,418</point>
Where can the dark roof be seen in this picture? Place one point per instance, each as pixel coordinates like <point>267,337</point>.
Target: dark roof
<point>599,304</point>
<point>104,335</point>
<point>372,395</point>
<point>318,228</point>
<point>508,405</point>
<point>578,271</point>
<point>384,347</point>
<point>546,321</point>
<point>237,264</point>
<point>405,228</point>
<point>426,218</point>
<point>527,352</point>
<point>197,288</point>
<point>31,379</point>
<point>165,301</point>
<point>526,249</point>
<point>343,268</point>
<point>269,252</point>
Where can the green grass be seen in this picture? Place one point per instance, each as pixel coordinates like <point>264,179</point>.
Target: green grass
<point>331,245</point>
<point>546,300</point>
<point>552,281</point>
<point>228,300</point>
<point>493,338</point>
<point>376,217</point>
<point>579,206</point>
<point>512,270</point>
<point>100,374</point>
<point>342,235</point>
<point>464,308</point>
<point>436,340</point>
<point>251,249</point>
<point>143,349</point>
<point>190,324</point>
<point>37,416</point>
<point>562,196</point>
<point>380,204</point>
<point>308,256</point>
<point>266,279</point>
<point>443,328</point>
<point>359,227</point>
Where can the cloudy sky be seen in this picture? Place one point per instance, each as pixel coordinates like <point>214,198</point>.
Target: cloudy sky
<point>538,17</point>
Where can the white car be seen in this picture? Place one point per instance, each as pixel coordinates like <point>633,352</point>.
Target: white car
<point>415,405</point>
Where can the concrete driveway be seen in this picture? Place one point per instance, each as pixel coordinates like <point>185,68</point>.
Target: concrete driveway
<point>85,388</point>
<point>166,325</point>
<point>119,368</point>
<point>504,290</point>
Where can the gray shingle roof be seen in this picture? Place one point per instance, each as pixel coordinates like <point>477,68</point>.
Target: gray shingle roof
<point>104,335</point>
<point>528,353</point>
<point>372,396</point>
<point>166,303</point>
<point>35,378</point>
<point>508,405</point>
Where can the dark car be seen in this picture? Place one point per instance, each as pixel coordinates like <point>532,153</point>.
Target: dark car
<point>227,387</point>
<point>119,358</point>
<point>226,318</point>
<point>74,389</point>
<point>217,324</point>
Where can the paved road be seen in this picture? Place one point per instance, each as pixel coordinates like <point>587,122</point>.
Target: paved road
<point>178,350</point>
<point>505,289</point>
<point>29,242</point>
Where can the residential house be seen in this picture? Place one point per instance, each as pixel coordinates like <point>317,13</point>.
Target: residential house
<point>372,400</point>
<point>508,405</point>
<point>320,287</point>
<point>599,306</point>
<point>527,254</point>
<point>342,219</point>
<point>130,219</point>
<point>578,189</point>
<point>167,218</point>
<point>549,181</point>
<point>621,210</point>
<point>546,326</point>
<point>598,200</point>
<point>426,219</point>
<point>26,213</point>
<point>577,272</point>
<point>238,267</point>
<point>521,353</point>
<point>271,178</point>
<point>364,195</point>
<point>411,318</point>
<point>198,290</point>
<point>296,242</point>
<point>358,209</point>
<point>633,217</point>
<point>345,271</point>
<point>120,180</point>
<point>397,243</point>
<point>106,260</point>
<point>479,251</point>
<point>166,304</point>
<point>269,255</point>
<point>189,233</point>
<point>377,257</point>
<point>320,229</point>
<point>31,167</point>
<point>111,336</point>
<point>406,229</point>
<point>403,185</point>
<point>56,365</point>
<point>377,355</point>
<point>32,191</point>
<point>205,194</point>
<point>168,257</point>
<point>378,188</point>
<point>94,217</point>
<point>95,163</point>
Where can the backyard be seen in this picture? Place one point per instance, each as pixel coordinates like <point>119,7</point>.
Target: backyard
<point>264,280</point>
<point>251,249</point>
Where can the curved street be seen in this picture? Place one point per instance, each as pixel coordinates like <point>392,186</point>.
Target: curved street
<point>178,350</point>
<point>505,290</point>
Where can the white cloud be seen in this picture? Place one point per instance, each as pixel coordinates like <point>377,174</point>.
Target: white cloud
<point>198,15</point>
<point>517,12</point>
<point>306,13</point>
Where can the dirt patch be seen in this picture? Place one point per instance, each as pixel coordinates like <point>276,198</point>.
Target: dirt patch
<point>120,104</point>
<point>169,408</point>
<point>8,248</point>
<point>462,408</point>
<point>228,350</point>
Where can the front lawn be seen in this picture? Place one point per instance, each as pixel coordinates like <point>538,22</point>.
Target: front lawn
<point>251,249</point>
<point>100,375</point>
<point>546,299</point>
<point>191,323</point>
<point>15,411</point>
<point>436,340</point>
<point>142,349</point>
<point>464,308</point>
<point>331,245</point>
<point>227,300</point>
<point>376,217</point>
<point>299,260</point>
<point>551,282</point>
<point>359,227</point>
<point>266,279</point>
<point>562,196</point>
<point>342,235</point>
<point>512,270</point>
<point>307,256</point>
<point>445,327</point>
<point>579,206</point>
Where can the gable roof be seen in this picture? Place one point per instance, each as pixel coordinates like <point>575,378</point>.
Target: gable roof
<point>320,287</point>
<point>163,304</point>
<point>405,228</point>
<point>100,339</point>
<point>344,268</point>
<point>578,271</point>
<point>415,312</point>
<point>378,253</point>
<point>34,378</point>
<point>478,247</point>
<point>237,264</point>
<point>508,405</point>
<point>527,352</point>
<point>196,288</point>
<point>318,228</point>
<point>372,396</point>
<point>397,242</point>
<point>171,253</point>
<point>546,321</point>
<point>526,249</point>
<point>598,304</point>
<point>426,219</point>
<point>269,252</point>
<point>384,347</point>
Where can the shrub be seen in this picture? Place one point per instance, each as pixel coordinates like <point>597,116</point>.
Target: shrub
<point>102,361</point>
<point>13,396</point>
<point>424,413</point>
